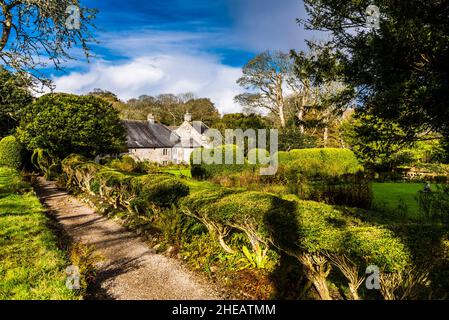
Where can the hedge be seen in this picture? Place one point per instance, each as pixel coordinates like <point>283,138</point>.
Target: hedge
<point>224,210</point>
<point>205,170</point>
<point>136,193</point>
<point>321,162</point>
<point>10,152</point>
<point>321,236</point>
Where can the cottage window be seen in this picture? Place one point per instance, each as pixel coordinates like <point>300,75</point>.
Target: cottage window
<point>165,152</point>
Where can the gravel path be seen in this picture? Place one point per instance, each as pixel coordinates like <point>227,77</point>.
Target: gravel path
<point>130,270</point>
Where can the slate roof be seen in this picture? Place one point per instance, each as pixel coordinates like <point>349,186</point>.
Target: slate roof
<point>142,134</point>
<point>202,128</point>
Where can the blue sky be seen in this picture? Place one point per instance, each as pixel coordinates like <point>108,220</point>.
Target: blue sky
<point>160,46</point>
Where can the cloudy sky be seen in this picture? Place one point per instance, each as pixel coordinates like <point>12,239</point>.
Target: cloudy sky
<point>173,46</point>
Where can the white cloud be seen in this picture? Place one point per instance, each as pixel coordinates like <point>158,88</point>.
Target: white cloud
<point>177,73</point>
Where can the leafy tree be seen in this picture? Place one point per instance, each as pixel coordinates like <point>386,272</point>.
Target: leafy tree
<point>204,110</point>
<point>292,138</point>
<point>169,109</point>
<point>14,96</point>
<point>401,70</point>
<point>376,142</point>
<point>30,29</point>
<point>241,121</point>
<point>265,77</point>
<point>62,124</point>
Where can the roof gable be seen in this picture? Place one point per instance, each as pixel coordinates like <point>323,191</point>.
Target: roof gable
<point>142,134</point>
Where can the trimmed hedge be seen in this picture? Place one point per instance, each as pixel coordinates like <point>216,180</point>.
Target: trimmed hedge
<point>325,162</point>
<point>205,170</point>
<point>10,152</point>
<point>321,236</point>
<point>136,193</point>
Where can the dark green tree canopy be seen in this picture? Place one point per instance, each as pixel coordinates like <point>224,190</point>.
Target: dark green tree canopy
<point>400,71</point>
<point>14,96</point>
<point>62,124</point>
<point>241,121</point>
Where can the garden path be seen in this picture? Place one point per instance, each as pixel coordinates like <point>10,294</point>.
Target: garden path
<point>130,270</point>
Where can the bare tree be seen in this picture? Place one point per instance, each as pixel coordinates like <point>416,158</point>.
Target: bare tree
<point>36,33</point>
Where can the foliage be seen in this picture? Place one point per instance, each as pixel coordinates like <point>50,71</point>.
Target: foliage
<point>168,109</point>
<point>240,121</point>
<point>62,124</point>
<point>124,164</point>
<point>292,138</point>
<point>221,154</point>
<point>14,96</point>
<point>224,211</point>
<point>400,70</point>
<point>135,193</point>
<point>86,259</point>
<point>326,162</point>
<point>32,28</point>
<point>434,205</point>
<point>10,152</point>
<point>319,235</point>
<point>376,142</point>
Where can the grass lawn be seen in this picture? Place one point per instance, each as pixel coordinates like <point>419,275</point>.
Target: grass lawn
<point>31,265</point>
<point>179,172</point>
<point>388,195</point>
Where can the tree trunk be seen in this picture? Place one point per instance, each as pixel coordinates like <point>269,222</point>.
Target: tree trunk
<point>300,116</point>
<point>321,286</point>
<point>326,136</point>
<point>317,268</point>
<point>280,100</point>
<point>354,293</point>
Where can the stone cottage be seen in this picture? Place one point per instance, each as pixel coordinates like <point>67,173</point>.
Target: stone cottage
<point>155,142</point>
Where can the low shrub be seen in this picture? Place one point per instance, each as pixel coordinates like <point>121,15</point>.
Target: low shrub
<point>124,164</point>
<point>434,205</point>
<point>10,152</point>
<point>257,156</point>
<point>159,189</point>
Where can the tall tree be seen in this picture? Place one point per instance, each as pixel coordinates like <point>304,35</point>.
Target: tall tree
<point>266,77</point>
<point>34,31</point>
<point>401,70</point>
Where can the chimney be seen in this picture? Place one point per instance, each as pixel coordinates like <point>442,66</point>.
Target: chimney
<point>150,119</point>
<point>188,117</point>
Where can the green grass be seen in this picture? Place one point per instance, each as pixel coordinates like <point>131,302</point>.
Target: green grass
<point>31,265</point>
<point>179,172</point>
<point>387,197</point>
